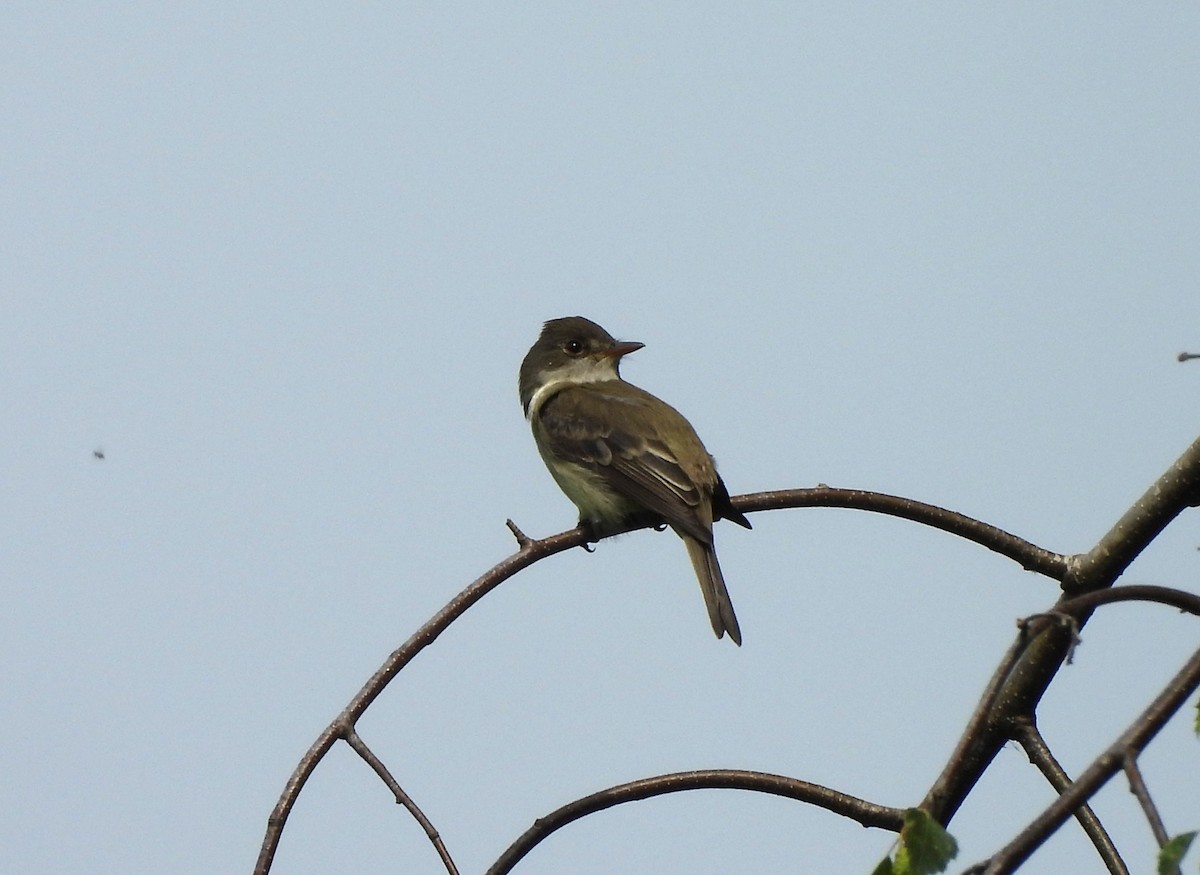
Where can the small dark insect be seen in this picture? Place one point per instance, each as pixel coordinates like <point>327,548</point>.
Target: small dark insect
<point>99,454</point>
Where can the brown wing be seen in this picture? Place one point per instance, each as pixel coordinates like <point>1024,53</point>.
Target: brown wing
<point>609,430</point>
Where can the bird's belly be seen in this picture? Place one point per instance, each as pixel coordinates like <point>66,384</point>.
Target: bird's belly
<point>596,500</point>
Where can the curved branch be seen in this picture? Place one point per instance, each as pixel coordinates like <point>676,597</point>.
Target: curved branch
<point>988,721</point>
<point>1030,556</point>
<point>343,724</point>
<point>866,813</point>
<point>1176,598</point>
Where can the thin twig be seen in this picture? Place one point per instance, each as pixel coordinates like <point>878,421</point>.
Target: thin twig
<point>1138,787</point>
<point>1039,753</point>
<point>399,658</point>
<point>523,540</point>
<point>402,798</point>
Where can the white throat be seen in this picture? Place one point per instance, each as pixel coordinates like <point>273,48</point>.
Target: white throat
<point>574,373</point>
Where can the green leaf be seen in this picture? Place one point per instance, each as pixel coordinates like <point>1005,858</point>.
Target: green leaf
<point>1198,716</point>
<point>930,848</point>
<point>1172,853</point>
<point>884,868</point>
<point>924,847</point>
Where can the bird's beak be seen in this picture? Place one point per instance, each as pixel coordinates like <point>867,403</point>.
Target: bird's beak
<point>622,348</point>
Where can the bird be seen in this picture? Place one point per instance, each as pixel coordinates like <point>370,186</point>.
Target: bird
<point>621,455</point>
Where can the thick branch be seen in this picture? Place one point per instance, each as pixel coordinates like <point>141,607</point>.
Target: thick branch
<point>1131,742</point>
<point>1045,651</point>
<point>866,813</point>
<point>977,746</point>
<point>1177,489</point>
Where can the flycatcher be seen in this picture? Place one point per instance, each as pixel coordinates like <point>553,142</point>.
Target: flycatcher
<point>622,455</point>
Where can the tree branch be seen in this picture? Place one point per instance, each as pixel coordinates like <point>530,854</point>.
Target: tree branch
<point>1043,653</point>
<point>1039,753</point>
<point>344,723</point>
<point>1137,786</point>
<point>1083,605</point>
<point>1030,556</point>
<point>1175,491</point>
<point>1153,512</point>
<point>1130,743</point>
<point>402,798</point>
<point>866,813</point>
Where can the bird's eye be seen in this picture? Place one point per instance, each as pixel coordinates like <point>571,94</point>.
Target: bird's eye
<point>573,347</point>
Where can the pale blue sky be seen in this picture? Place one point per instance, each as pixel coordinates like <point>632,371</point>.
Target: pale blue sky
<point>281,262</point>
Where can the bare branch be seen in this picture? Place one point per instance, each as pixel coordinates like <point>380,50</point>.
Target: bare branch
<point>1039,753</point>
<point>291,791</point>
<point>866,813</point>
<point>1177,598</point>
<point>1131,742</point>
<point>1030,556</point>
<point>523,540</point>
<point>402,798</point>
<point>1175,491</point>
<point>1023,684</point>
<point>1046,648</point>
<point>971,745</point>
<point>1137,786</point>
<point>1187,356</point>
<point>995,717</point>
<point>422,638</point>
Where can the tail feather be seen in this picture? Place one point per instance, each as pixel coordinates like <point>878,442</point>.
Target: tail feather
<point>712,585</point>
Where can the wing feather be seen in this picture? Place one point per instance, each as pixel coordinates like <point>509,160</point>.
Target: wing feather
<point>635,457</point>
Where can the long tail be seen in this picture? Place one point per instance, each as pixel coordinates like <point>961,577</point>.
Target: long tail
<point>712,584</point>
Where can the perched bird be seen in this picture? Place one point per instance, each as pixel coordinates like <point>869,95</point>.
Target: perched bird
<point>622,455</point>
